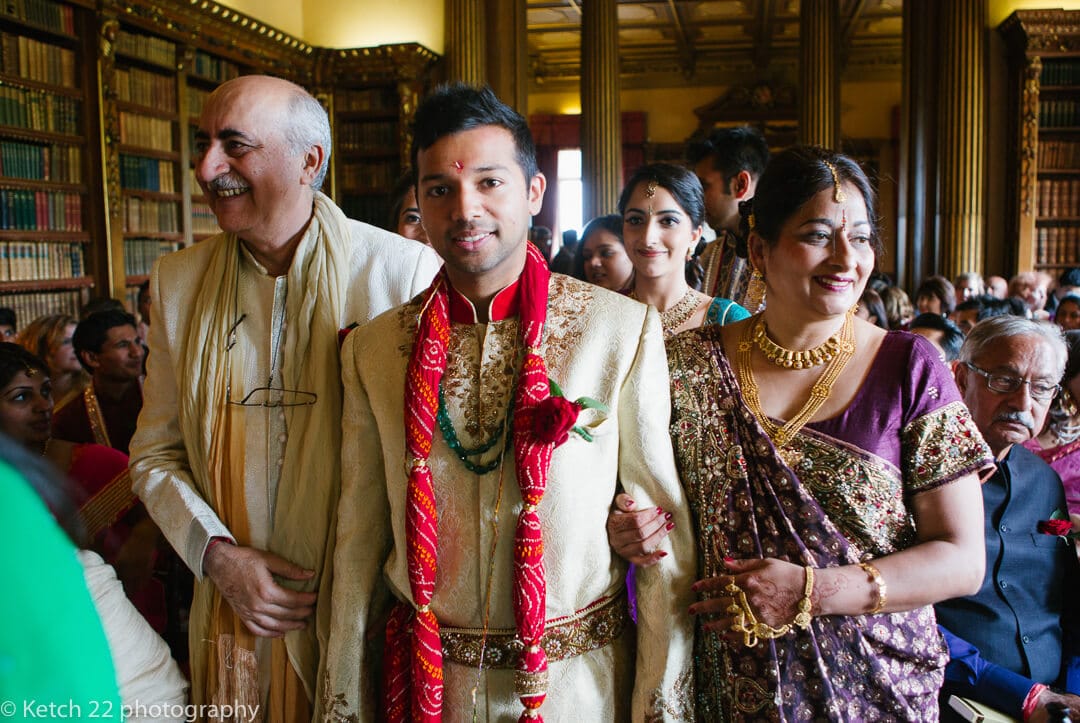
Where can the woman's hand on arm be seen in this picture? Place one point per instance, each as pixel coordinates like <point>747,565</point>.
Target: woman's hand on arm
<point>947,560</point>
<point>634,534</point>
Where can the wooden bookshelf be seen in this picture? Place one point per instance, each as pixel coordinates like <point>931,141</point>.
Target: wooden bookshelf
<point>1044,169</point>
<point>50,209</point>
<point>374,92</point>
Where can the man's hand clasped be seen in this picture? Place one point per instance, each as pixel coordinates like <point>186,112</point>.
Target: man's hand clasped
<point>245,577</point>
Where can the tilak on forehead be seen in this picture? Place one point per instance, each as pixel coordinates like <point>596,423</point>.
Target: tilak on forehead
<point>458,165</point>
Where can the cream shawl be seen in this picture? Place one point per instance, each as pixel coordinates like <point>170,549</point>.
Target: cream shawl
<point>310,477</point>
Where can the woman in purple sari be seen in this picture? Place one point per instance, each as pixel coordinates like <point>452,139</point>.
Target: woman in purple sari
<point>824,539</point>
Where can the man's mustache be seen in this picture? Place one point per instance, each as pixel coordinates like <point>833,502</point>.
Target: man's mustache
<point>1019,417</point>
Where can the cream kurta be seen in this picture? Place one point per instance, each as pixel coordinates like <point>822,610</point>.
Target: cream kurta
<point>597,344</point>
<point>385,270</point>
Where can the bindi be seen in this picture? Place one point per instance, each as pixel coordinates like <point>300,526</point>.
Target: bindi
<point>458,166</point>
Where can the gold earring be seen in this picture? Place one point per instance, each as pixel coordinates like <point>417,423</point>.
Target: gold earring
<point>755,291</point>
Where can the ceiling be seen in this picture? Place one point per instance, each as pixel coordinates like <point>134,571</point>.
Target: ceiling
<point>692,42</point>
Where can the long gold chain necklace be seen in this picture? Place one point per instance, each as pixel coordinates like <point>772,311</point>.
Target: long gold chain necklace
<point>819,393</point>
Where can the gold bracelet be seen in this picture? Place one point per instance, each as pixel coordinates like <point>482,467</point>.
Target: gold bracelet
<point>882,589</point>
<point>802,618</point>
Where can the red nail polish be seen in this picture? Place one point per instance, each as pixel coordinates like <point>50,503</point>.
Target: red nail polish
<point>729,559</point>
<point>659,510</point>
<point>670,526</point>
<point>662,554</point>
<point>630,503</point>
<point>667,516</point>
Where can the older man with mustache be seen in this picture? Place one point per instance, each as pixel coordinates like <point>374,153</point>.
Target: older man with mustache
<point>236,455</point>
<point>1015,636</point>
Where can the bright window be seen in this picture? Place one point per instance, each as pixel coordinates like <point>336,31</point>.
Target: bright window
<point>570,193</point>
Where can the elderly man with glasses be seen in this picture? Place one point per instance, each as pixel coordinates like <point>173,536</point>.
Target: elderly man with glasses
<point>1015,637</point>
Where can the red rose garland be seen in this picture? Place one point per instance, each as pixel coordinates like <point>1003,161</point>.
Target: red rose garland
<point>414,682</point>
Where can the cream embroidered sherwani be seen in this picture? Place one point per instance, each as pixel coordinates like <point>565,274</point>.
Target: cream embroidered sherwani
<point>597,344</point>
<point>385,270</point>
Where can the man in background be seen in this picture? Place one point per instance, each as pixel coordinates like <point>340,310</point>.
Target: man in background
<point>1016,636</point>
<point>108,347</point>
<point>728,162</point>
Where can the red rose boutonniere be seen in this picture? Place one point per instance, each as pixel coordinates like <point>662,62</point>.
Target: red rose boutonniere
<point>1059,524</point>
<point>557,416</point>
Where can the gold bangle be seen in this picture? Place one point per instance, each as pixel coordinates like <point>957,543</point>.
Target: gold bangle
<point>802,618</point>
<point>882,589</point>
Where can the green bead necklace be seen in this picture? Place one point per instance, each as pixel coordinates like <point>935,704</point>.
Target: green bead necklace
<point>464,453</point>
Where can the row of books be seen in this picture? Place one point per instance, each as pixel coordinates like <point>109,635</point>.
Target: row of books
<point>43,13</point>
<point>359,136</point>
<point>372,99</point>
<point>35,60</point>
<point>196,99</point>
<point>1059,198</point>
<point>370,174</point>
<point>135,85</point>
<point>140,130</point>
<point>369,209</point>
<point>39,110</point>
<point>41,162</point>
<point>148,47</point>
<point>203,220</point>
<point>145,216</point>
<point>1058,245</point>
<point>41,261</point>
<point>1059,154</point>
<point>147,174</point>
<point>1059,113</point>
<point>1060,72</point>
<point>26,210</point>
<point>29,306</point>
<point>141,253</point>
<point>213,68</point>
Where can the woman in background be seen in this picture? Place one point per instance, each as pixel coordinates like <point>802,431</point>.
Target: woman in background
<point>49,338</point>
<point>936,295</point>
<point>663,210</point>
<point>602,258</point>
<point>405,219</point>
<point>898,307</point>
<point>871,309</point>
<point>1059,442</point>
<point>116,522</point>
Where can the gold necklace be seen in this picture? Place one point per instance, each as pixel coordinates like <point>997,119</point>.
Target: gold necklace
<point>671,319</point>
<point>819,393</point>
<point>800,359</point>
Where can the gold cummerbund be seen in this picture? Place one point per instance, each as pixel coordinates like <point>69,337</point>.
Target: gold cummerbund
<point>593,627</point>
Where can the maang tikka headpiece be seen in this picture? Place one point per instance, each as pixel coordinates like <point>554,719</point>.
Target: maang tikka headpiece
<point>838,191</point>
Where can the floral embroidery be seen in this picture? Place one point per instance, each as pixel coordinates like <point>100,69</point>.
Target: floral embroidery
<point>940,446</point>
<point>678,705</point>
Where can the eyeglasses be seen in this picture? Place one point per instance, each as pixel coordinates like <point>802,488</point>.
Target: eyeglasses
<point>268,395</point>
<point>1003,384</point>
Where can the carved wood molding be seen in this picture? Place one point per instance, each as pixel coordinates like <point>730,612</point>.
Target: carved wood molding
<point>1029,135</point>
<point>222,31</point>
<point>1042,32</point>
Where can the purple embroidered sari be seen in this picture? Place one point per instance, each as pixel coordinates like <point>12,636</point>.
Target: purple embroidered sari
<point>842,500</point>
